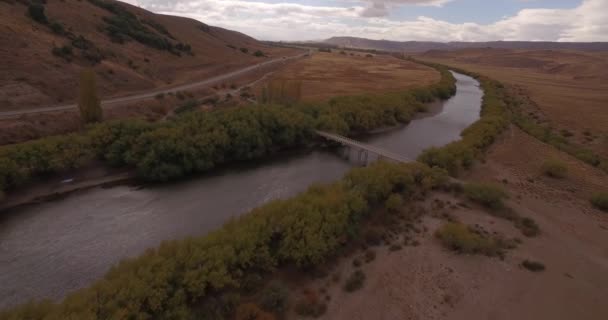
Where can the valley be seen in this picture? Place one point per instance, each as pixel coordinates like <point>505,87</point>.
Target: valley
<point>155,166</point>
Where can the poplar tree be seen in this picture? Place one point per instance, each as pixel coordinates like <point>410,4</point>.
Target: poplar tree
<point>88,102</point>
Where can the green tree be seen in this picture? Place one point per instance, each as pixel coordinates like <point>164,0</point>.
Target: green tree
<point>88,103</point>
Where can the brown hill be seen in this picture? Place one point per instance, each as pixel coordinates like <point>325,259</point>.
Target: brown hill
<point>422,46</point>
<point>45,44</point>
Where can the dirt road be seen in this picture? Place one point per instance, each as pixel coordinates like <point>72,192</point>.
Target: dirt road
<point>153,93</point>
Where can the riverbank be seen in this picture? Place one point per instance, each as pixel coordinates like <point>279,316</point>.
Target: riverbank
<point>99,176</point>
<point>49,191</point>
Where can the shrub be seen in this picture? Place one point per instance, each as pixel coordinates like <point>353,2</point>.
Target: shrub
<point>461,238</point>
<point>394,203</point>
<point>36,12</point>
<point>57,28</point>
<point>274,297</point>
<point>64,52</point>
<point>244,50</point>
<point>600,201</point>
<point>310,305</point>
<point>355,281</point>
<point>490,196</point>
<point>258,53</point>
<point>554,169</point>
<point>533,266</point>
<point>528,227</point>
<point>159,96</point>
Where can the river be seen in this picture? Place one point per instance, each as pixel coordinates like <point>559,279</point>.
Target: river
<point>50,249</point>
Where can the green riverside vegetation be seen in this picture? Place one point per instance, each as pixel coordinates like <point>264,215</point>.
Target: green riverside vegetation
<point>460,155</point>
<point>198,141</point>
<point>169,281</point>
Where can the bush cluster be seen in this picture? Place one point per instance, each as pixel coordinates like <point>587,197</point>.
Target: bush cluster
<point>65,52</point>
<point>36,12</point>
<point>600,201</point>
<point>488,195</point>
<point>463,239</point>
<point>355,281</point>
<point>533,266</point>
<point>554,169</point>
<point>305,230</point>
<point>123,25</point>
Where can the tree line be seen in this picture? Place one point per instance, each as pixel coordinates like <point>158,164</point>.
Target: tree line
<point>198,141</point>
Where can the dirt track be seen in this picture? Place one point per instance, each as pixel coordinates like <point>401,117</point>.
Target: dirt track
<point>153,93</point>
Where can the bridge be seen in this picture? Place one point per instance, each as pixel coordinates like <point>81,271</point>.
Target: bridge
<point>364,148</point>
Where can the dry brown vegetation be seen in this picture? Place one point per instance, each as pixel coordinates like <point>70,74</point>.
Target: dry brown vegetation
<point>325,75</point>
<point>36,77</point>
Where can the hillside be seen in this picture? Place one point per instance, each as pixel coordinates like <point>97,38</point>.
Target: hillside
<point>420,46</point>
<point>45,44</point>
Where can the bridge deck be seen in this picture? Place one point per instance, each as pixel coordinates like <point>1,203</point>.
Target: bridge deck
<point>357,144</point>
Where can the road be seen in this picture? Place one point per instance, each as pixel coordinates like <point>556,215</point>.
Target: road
<point>153,93</point>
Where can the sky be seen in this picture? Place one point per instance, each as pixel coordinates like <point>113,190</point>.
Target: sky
<point>399,20</point>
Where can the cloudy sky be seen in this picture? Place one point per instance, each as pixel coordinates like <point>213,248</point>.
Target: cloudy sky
<point>423,20</point>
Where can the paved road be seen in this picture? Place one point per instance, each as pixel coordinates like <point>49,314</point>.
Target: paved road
<point>153,93</point>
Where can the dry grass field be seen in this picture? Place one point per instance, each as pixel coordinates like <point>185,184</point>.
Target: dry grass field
<point>570,88</point>
<point>325,75</point>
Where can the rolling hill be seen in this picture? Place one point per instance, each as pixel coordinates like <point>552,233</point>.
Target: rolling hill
<point>422,46</point>
<point>45,44</point>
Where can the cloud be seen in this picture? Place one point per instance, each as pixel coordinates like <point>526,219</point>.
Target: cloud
<point>371,19</point>
<point>381,8</point>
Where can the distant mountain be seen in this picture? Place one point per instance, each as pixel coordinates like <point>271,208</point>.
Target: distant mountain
<point>423,46</point>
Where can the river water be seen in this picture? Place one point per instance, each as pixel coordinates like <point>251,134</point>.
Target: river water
<point>50,249</point>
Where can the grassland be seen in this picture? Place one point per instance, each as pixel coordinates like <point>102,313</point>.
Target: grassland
<point>325,75</point>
